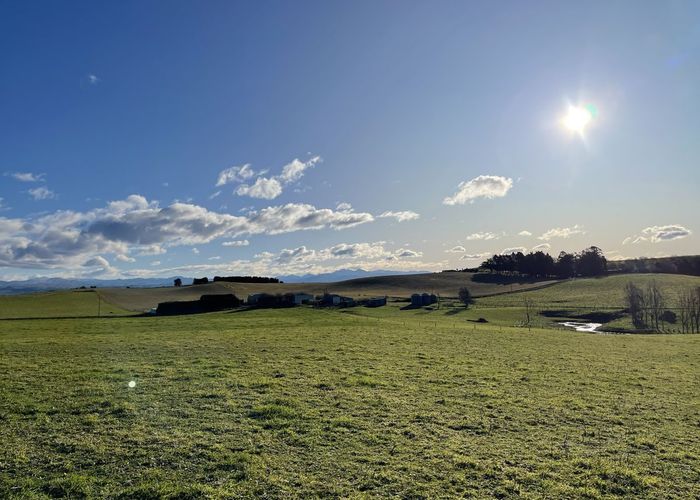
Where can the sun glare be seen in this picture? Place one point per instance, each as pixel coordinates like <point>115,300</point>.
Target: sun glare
<point>578,118</point>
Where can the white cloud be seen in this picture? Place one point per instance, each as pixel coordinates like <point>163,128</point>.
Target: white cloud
<point>457,249</point>
<point>155,263</point>
<point>614,255</point>
<point>524,233</point>
<point>99,266</point>
<point>402,216</point>
<point>483,186</point>
<point>483,236</point>
<point>562,232</point>
<point>235,174</point>
<point>657,234</point>
<point>304,261</point>
<point>214,195</point>
<point>475,256</point>
<point>27,176</point>
<point>264,188</point>
<point>66,239</point>
<point>343,207</point>
<point>216,257</point>
<point>269,188</point>
<point>299,216</point>
<point>93,79</point>
<point>152,250</point>
<point>195,251</point>
<point>542,247</point>
<point>366,256</point>
<point>42,193</point>
<point>236,243</point>
<point>124,258</point>
<point>407,252</point>
<point>508,251</point>
<point>294,170</point>
<point>98,261</point>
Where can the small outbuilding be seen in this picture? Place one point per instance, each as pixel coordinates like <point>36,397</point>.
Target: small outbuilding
<point>376,302</point>
<point>331,299</point>
<point>416,300</point>
<point>303,298</point>
<point>423,299</point>
<point>254,298</point>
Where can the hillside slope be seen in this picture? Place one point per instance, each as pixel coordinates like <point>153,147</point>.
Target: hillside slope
<point>605,292</point>
<point>59,304</point>
<point>446,284</point>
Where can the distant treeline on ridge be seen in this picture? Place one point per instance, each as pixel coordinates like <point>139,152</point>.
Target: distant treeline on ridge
<point>237,279</point>
<point>588,262</point>
<point>684,264</point>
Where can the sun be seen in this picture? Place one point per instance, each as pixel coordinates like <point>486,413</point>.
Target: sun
<point>578,118</point>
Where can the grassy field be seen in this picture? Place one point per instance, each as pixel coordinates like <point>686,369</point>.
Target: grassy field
<point>447,284</point>
<point>359,403</point>
<point>61,304</point>
<point>601,293</point>
<point>591,296</point>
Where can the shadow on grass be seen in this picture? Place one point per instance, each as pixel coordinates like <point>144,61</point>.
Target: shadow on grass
<point>594,316</point>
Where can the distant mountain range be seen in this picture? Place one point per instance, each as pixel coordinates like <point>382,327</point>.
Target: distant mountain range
<point>47,284</point>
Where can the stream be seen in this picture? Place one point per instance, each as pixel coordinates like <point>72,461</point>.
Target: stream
<point>583,327</point>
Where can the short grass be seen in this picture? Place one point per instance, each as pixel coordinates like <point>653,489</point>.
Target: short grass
<point>60,304</point>
<point>606,292</point>
<point>579,297</point>
<point>356,403</point>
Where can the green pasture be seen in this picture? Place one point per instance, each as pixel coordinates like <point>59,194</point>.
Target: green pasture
<point>59,304</point>
<point>344,403</point>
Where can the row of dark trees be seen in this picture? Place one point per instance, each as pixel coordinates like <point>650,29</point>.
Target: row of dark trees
<point>684,264</point>
<point>247,279</point>
<point>648,308</point>
<point>232,279</point>
<point>589,262</point>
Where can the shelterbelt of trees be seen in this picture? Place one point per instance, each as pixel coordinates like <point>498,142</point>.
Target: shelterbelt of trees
<point>588,262</point>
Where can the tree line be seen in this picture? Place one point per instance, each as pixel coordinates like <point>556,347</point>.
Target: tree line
<point>648,308</point>
<point>234,279</point>
<point>683,264</point>
<point>247,279</point>
<point>588,262</point>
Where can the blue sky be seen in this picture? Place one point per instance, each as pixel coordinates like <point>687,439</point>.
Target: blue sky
<point>119,118</point>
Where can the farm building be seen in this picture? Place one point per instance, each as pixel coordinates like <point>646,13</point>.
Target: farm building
<point>331,299</point>
<point>219,302</point>
<point>270,300</point>
<point>376,302</point>
<point>206,303</point>
<point>303,298</point>
<point>179,307</point>
<point>423,299</point>
<point>253,299</point>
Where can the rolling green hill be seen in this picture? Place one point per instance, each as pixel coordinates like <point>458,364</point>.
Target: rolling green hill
<point>446,284</point>
<point>606,292</point>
